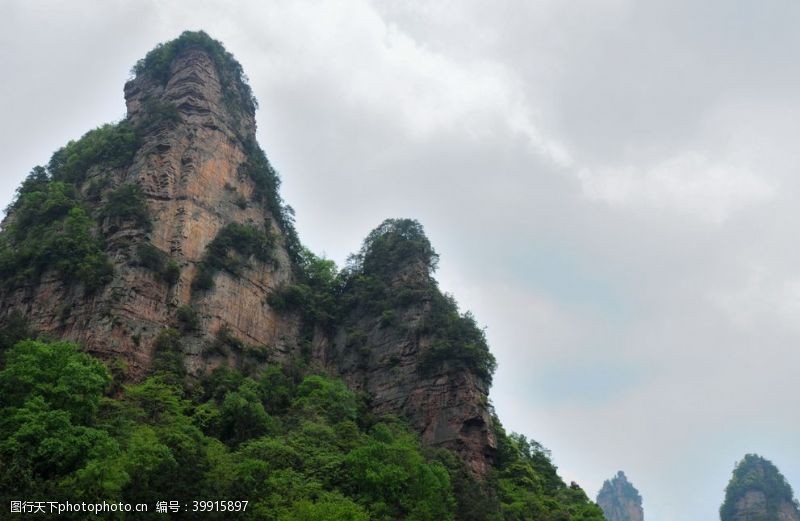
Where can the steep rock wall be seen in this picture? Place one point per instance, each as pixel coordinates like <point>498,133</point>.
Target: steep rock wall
<point>619,500</point>
<point>190,174</point>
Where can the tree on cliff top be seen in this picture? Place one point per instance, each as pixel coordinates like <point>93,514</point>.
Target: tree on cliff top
<point>755,473</point>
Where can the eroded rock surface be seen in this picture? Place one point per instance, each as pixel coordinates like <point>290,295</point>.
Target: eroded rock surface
<point>758,492</point>
<point>190,173</point>
<point>446,404</point>
<point>619,500</point>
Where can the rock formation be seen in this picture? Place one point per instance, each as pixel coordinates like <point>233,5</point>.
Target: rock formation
<point>619,500</point>
<point>391,355</point>
<point>210,247</point>
<point>758,492</point>
<point>190,172</point>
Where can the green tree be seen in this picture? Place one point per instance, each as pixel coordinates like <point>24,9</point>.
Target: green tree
<point>756,473</point>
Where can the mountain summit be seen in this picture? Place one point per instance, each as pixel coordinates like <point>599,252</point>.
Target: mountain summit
<point>620,500</point>
<point>758,491</point>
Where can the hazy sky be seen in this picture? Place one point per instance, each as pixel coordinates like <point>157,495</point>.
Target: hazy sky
<point>612,187</point>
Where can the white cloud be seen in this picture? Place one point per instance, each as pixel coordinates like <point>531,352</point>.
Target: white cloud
<point>689,183</point>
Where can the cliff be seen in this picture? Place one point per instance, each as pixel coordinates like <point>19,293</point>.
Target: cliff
<point>186,166</point>
<point>165,233</point>
<point>405,344</point>
<point>757,491</point>
<point>619,500</point>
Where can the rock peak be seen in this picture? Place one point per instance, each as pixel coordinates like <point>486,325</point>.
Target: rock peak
<point>619,500</point>
<point>192,77</point>
<point>758,490</point>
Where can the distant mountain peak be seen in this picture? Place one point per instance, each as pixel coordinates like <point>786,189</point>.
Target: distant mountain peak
<point>619,500</point>
<point>758,491</point>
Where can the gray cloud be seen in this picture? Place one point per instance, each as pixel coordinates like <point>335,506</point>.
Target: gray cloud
<point>611,185</point>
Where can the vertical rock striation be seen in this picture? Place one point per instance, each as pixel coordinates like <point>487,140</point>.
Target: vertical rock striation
<point>619,500</point>
<point>195,136</point>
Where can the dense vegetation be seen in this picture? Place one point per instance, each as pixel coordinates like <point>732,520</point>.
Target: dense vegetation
<point>112,145</point>
<point>157,261</point>
<point>50,225</point>
<point>51,230</point>
<point>755,473</point>
<point>297,445</point>
<point>231,251</point>
<point>391,272</point>
<point>267,183</point>
<point>126,204</point>
<point>528,485</point>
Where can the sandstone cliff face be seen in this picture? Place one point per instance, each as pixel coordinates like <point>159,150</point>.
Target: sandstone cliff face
<point>190,175</point>
<point>192,172</point>
<point>619,500</point>
<point>754,506</point>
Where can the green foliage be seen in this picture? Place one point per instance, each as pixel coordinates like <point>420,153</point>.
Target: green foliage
<point>187,318</point>
<point>48,225</point>
<point>314,296</point>
<point>127,204</point>
<point>757,473</point>
<point>475,500</point>
<point>150,257</point>
<point>457,340</point>
<point>267,183</point>
<point>158,114</point>
<point>242,415</point>
<point>13,328</point>
<point>297,448</point>
<point>392,246</point>
<point>529,488</point>
<point>112,145</point>
<point>318,397</point>
<point>172,272</point>
<point>393,271</point>
<point>389,474</point>
<point>332,507</point>
<point>231,250</point>
<point>158,262</point>
<point>58,373</point>
<point>168,356</point>
<point>49,229</point>
<point>235,90</point>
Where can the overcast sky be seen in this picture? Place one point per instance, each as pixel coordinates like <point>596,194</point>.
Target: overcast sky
<point>611,184</point>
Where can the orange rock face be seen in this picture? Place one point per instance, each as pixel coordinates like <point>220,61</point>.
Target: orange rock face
<point>190,175</point>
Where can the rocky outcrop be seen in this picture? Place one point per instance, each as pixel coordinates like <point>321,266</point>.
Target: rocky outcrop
<point>190,171</point>
<point>200,171</point>
<point>758,492</point>
<point>619,500</point>
<point>384,355</point>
